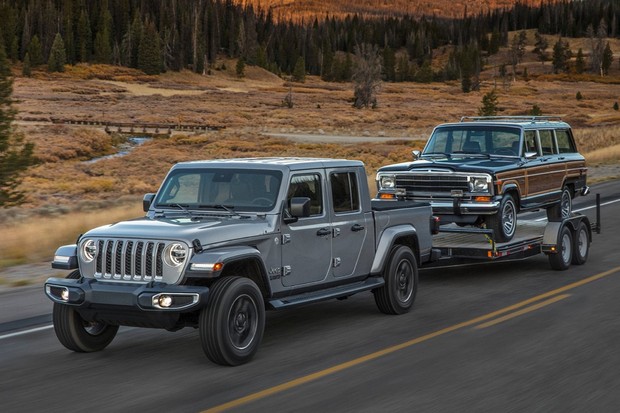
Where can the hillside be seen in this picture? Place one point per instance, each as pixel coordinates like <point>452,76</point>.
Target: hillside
<point>300,9</point>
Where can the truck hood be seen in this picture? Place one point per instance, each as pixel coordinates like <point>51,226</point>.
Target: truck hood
<point>460,164</point>
<point>210,230</point>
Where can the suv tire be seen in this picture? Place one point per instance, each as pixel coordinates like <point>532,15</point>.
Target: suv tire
<point>504,222</point>
<point>232,323</point>
<point>398,293</point>
<point>77,334</point>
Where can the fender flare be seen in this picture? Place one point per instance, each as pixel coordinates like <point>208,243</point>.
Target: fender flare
<point>387,241</point>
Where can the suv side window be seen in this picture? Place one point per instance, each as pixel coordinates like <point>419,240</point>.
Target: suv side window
<point>345,195</point>
<point>530,142</point>
<point>546,142</point>
<point>565,142</point>
<point>309,186</point>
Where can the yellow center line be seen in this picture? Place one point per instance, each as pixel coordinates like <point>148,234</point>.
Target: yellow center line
<point>522,311</point>
<point>372,356</point>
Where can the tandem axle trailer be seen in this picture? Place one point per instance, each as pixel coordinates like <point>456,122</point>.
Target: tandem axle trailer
<point>565,242</point>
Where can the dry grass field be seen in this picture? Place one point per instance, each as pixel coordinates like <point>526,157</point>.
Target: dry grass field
<point>67,194</point>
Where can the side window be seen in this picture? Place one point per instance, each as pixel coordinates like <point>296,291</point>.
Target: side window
<point>345,193</point>
<point>565,142</point>
<point>546,142</point>
<point>308,186</point>
<point>530,142</point>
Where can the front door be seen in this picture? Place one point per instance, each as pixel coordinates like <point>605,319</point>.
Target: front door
<point>307,243</point>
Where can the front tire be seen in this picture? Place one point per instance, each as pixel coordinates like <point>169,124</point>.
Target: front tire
<point>504,222</point>
<point>231,326</point>
<point>77,334</point>
<point>398,293</point>
<point>561,260</point>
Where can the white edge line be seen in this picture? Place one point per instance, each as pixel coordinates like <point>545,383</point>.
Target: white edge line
<point>21,333</point>
<point>586,208</point>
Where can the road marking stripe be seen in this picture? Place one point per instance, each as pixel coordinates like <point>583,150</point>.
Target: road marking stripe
<point>372,356</point>
<point>21,333</point>
<point>522,311</point>
<point>586,208</point>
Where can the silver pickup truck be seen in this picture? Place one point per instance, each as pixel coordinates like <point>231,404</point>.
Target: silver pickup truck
<point>222,241</point>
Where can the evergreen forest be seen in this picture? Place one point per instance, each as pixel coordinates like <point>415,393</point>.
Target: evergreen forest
<point>164,35</point>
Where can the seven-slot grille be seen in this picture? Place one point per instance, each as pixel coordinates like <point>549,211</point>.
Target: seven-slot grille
<point>432,184</point>
<point>129,260</point>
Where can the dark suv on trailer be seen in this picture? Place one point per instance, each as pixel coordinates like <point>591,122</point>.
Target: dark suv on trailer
<point>484,170</point>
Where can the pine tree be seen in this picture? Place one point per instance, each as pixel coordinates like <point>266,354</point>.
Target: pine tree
<point>607,60</point>
<point>561,56</point>
<point>367,75</point>
<point>240,67</point>
<point>389,64</point>
<point>34,48</point>
<point>26,67</point>
<point>299,73</point>
<point>58,57</point>
<point>103,39</point>
<point>536,111</point>
<point>580,62</point>
<point>84,38</point>
<point>540,47</point>
<point>15,155</point>
<point>489,104</point>
<point>149,53</point>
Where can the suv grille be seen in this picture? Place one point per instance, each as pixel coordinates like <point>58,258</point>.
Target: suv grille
<point>127,260</point>
<point>436,185</point>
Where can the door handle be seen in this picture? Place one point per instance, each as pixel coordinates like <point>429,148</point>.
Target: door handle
<point>357,227</point>
<point>323,232</point>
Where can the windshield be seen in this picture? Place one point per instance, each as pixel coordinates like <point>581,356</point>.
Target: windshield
<point>220,189</point>
<point>472,139</point>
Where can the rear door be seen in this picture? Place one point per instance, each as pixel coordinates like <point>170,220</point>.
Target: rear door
<point>352,246</point>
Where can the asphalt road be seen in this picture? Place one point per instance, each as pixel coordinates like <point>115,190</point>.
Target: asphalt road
<point>513,336</point>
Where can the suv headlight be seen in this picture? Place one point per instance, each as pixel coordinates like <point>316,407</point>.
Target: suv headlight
<point>175,254</point>
<point>387,182</point>
<point>88,251</point>
<point>480,185</point>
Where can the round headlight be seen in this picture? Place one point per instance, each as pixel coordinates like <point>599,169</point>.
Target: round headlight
<point>386,182</point>
<point>89,250</point>
<point>481,185</point>
<point>175,254</point>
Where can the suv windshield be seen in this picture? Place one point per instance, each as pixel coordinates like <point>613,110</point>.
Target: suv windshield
<point>472,139</point>
<point>220,189</point>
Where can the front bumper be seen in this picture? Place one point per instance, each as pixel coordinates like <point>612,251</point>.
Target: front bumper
<point>461,207</point>
<point>86,293</point>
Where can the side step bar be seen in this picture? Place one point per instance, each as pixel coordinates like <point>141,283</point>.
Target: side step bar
<point>336,292</point>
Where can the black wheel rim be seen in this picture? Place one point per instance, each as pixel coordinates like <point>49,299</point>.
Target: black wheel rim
<point>242,322</point>
<point>404,281</point>
<point>93,328</point>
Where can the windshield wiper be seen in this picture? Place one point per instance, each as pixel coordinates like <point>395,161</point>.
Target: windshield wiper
<point>184,208</point>
<point>227,208</point>
<point>447,155</point>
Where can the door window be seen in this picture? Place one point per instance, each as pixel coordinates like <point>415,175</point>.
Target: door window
<point>565,142</point>
<point>307,186</point>
<point>546,142</point>
<point>345,195</point>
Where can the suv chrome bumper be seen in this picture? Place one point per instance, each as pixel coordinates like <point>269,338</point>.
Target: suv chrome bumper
<point>457,207</point>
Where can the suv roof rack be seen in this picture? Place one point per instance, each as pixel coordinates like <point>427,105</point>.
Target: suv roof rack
<point>511,118</point>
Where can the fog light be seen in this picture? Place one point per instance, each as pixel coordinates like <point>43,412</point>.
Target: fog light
<point>64,294</point>
<point>164,301</point>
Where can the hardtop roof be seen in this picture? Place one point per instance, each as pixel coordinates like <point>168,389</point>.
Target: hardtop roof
<point>291,163</point>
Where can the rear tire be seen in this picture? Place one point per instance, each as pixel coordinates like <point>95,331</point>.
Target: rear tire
<point>504,222</point>
<point>398,293</point>
<point>77,334</point>
<point>581,244</point>
<point>561,260</point>
<point>563,209</point>
<point>231,326</point>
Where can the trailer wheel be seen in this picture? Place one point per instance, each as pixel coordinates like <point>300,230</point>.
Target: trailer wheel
<point>581,244</point>
<point>562,258</point>
<point>231,325</point>
<point>397,295</point>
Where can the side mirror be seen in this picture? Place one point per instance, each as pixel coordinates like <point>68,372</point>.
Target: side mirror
<point>416,154</point>
<point>298,207</point>
<point>147,201</point>
<point>530,155</point>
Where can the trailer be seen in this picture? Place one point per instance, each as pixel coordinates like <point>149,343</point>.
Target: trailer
<point>565,242</point>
